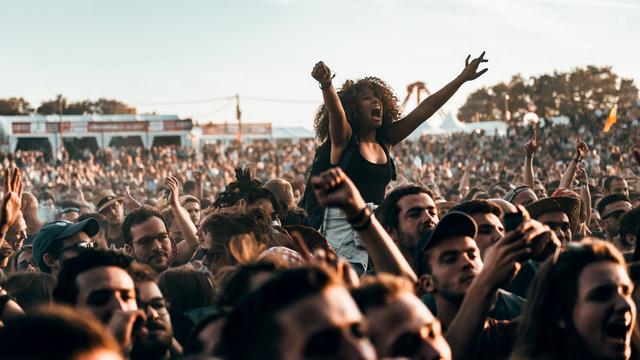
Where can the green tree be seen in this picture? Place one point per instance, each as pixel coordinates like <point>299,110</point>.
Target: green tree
<point>53,106</point>
<point>14,106</point>
<point>101,106</point>
<point>576,94</point>
<point>110,106</point>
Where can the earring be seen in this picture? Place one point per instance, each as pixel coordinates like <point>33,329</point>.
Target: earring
<point>562,324</point>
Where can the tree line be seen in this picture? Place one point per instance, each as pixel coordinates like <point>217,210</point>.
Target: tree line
<point>60,105</point>
<point>576,94</point>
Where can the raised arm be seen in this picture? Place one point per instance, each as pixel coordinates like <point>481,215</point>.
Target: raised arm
<point>570,172</point>
<point>530,149</point>
<point>466,178</point>
<point>334,188</point>
<point>339,128</point>
<point>188,247</point>
<point>402,128</point>
<point>11,201</point>
<point>585,194</point>
<point>199,177</point>
<point>502,263</point>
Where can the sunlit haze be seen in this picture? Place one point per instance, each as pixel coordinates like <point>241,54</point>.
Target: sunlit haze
<point>162,55</point>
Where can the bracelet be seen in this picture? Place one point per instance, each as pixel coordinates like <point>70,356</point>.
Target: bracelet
<point>356,219</point>
<point>325,86</point>
<point>365,224</point>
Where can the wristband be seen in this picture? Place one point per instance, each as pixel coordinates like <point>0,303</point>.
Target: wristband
<point>325,86</point>
<point>358,218</point>
<point>364,225</point>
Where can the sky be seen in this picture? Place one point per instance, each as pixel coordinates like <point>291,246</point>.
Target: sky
<point>189,57</point>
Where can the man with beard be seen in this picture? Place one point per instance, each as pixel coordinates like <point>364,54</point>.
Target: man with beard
<point>98,281</point>
<point>111,207</point>
<point>465,289</point>
<point>147,239</point>
<point>611,208</point>
<point>560,213</point>
<point>158,342</point>
<point>407,213</point>
<point>444,283</point>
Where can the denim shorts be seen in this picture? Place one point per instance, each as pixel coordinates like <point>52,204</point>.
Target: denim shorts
<point>344,240</point>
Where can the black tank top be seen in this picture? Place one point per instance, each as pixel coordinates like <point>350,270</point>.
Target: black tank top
<point>371,179</point>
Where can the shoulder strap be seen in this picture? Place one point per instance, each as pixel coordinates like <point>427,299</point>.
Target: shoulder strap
<point>394,173</point>
<point>352,145</point>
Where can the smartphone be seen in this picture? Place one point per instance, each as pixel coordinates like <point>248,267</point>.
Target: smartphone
<point>512,221</point>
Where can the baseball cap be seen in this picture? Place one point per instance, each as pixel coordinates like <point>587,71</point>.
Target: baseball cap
<point>454,223</point>
<point>56,231</point>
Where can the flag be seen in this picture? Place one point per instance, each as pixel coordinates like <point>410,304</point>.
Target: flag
<point>611,119</point>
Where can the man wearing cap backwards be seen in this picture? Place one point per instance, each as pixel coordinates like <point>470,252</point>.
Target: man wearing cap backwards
<point>611,209</point>
<point>463,287</point>
<point>522,195</point>
<point>61,240</point>
<point>561,214</point>
<point>111,206</point>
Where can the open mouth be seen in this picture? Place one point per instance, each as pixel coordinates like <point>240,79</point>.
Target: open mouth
<point>618,330</point>
<point>376,112</point>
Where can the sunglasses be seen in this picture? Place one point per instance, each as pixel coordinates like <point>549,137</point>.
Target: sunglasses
<point>79,247</point>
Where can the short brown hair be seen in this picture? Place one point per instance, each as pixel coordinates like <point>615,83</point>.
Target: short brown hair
<point>69,331</point>
<point>379,290</point>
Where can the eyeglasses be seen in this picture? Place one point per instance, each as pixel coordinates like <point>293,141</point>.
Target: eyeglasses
<point>160,305</point>
<point>148,241</point>
<point>79,247</point>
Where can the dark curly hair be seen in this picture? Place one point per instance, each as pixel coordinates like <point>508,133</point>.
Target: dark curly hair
<point>348,94</point>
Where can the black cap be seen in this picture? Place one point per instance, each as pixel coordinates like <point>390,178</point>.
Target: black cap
<point>454,223</point>
<point>59,230</point>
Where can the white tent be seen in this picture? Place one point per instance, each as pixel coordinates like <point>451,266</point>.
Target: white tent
<point>450,124</point>
<point>292,133</point>
<point>489,127</point>
<point>438,126</point>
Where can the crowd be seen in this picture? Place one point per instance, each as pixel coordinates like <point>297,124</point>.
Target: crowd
<point>465,246</point>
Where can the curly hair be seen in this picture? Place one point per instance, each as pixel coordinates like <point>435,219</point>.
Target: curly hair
<point>348,94</point>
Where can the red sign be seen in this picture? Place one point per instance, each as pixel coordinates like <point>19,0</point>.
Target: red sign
<point>21,128</point>
<point>177,125</point>
<point>57,127</point>
<point>113,126</point>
